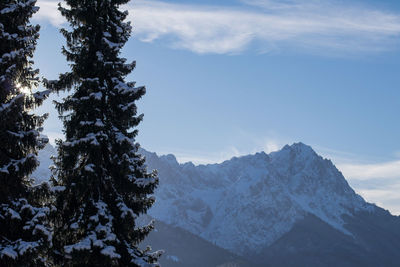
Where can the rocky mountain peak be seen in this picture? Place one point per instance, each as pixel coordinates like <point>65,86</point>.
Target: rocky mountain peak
<point>275,190</point>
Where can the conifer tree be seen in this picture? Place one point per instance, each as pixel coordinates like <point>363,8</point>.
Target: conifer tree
<point>24,232</point>
<point>101,179</point>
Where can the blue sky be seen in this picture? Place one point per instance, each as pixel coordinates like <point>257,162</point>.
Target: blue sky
<point>236,77</point>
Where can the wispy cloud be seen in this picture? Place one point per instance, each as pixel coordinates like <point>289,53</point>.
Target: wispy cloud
<point>386,195</point>
<point>267,24</point>
<point>305,24</point>
<point>370,171</point>
<point>378,183</point>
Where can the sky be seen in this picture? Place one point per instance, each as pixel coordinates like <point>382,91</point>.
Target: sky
<point>229,78</point>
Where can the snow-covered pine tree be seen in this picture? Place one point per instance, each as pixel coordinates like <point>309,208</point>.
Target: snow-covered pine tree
<point>24,233</point>
<point>101,179</point>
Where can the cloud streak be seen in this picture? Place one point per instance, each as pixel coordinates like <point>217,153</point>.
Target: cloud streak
<point>378,183</point>
<point>228,30</point>
<point>386,195</point>
<point>266,25</point>
<point>369,171</point>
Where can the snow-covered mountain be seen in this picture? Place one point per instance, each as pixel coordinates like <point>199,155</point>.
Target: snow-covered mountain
<point>248,203</point>
<point>286,208</point>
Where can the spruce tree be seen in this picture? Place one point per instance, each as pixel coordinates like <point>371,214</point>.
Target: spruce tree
<point>101,179</point>
<point>24,232</point>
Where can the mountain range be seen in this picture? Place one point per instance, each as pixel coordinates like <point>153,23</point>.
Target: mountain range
<point>287,208</point>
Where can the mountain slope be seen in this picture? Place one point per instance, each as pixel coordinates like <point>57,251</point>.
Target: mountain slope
<point>312,242</point>
<point>183,249</point>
